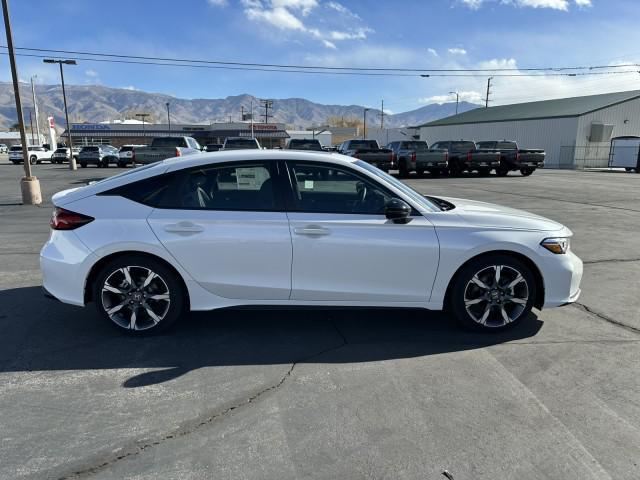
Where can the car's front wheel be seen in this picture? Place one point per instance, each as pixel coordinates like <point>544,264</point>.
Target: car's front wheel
<point>493,293</point>
<point>139,295</point>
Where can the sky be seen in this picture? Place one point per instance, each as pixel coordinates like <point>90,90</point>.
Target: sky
<point>432,34</point>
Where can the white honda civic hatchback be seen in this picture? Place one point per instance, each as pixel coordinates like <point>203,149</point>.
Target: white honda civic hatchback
<point>293,228</point>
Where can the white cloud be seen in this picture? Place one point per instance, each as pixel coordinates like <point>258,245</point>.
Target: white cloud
<point>218,3</point>
<point>457,51</point>
<point>465,96</point>
<point>433,52</point>
<point>130,87</point>
<point>91,73</point>
<point>290,15</point>
<point>552,4</point>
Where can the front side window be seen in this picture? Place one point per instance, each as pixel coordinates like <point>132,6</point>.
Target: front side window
<point>330,189</point>
<point>243,187</point>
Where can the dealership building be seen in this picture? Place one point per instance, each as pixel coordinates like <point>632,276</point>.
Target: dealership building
<point>269,135</point>
<point>575,132</point>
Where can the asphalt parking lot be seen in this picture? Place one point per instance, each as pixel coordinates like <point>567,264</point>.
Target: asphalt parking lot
<point>362,394</point>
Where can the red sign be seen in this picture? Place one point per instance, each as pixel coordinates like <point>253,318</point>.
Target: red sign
<point>51,123</point>
<point>265,126</point>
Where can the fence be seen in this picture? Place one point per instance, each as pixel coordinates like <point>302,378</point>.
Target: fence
<point>580,158</point>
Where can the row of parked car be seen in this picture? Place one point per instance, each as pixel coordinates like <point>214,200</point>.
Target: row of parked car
<point>451,157</point>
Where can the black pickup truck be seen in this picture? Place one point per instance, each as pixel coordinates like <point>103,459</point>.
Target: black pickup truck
<point>514,158</point>
<point>464,156</point>
<point>369,151</point>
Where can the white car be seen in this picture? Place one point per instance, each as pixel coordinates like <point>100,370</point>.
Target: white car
<point>296,228</point>
<point>36,154</point>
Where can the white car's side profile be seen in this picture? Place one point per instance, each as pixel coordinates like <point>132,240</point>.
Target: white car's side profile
<point>267,227</point>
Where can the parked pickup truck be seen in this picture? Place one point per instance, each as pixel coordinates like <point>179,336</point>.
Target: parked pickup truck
<point>369,151</point>
<point>414,156</point>
<point>165,147</point>
<point>464,156</point>
<point>36,154</point>
<point>514,158</point>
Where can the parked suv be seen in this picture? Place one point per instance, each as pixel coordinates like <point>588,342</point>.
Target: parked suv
<point>61,155</point>
<point>36,154</point>
<point>126,155</point>
<point>4,148</point>
<point>100,155</point>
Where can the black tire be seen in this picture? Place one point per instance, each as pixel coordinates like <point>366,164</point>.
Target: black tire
<point>135,297</point>
<point>526,171</point>
<point>454,170</point>
<point>83,164</point>
<point>403,171</point>
<point>420,172</point>
<point>484,172</point>
<point>495,299</point>
<point>435,173</point>
<point>33,160</point>
<point>15,162</point>
<point>502,172</point>
<point>122,164</point>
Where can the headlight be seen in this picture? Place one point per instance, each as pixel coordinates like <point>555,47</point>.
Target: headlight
<point>557,245</point>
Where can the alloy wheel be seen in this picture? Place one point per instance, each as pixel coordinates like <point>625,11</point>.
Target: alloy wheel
<point>496,296</point>
<point>135,298</point>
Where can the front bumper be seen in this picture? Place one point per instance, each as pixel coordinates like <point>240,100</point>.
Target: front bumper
<point>562,276</point>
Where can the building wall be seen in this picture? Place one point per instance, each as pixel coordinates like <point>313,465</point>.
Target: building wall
<point>387,135</point>
<point>596,154</point>
<point>324,138</point>
<point>550,134</point>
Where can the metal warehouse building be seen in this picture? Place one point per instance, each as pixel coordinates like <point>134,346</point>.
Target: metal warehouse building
<point>575,132</point>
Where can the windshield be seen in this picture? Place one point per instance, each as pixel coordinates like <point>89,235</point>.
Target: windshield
<point>463,146</point>
<point>15,149</point>
<point>126,149</point>
<point>61,150</point>
<point>403,187</point>
<point>305,144</point>
<point>129,172</point>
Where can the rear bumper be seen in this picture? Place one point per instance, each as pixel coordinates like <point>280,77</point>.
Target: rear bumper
<point>426,165</point>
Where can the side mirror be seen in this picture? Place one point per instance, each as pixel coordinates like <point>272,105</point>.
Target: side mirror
<point>397,211</point>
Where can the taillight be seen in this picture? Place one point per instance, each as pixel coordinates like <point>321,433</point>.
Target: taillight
<point>391,157</point>
<point>178,152</point>
<point>133,156</point>
<point>66,220</point>
<point>413,157</point>
<point>468,157</point>
<point>446,157</point>
<point>517,156</point>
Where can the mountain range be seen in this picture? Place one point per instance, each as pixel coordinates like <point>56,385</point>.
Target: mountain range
<point>97,103</point>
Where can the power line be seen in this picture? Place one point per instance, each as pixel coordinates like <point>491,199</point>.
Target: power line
<point>314,72</point>
<point>320,67</point>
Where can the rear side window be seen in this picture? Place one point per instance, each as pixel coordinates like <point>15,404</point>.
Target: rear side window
<point>150,191</point>
<point>463,146</point>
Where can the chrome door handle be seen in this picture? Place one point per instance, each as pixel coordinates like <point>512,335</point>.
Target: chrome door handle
<point>183,227</point>
<point>312,230</point>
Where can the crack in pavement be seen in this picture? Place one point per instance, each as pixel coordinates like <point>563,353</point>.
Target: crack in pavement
<point>610,320</point>
<point>138,447</point>
<point>611,260</point>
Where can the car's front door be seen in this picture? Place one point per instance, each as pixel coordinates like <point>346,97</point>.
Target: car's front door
<point>345,249</point>
<point>226,226</point>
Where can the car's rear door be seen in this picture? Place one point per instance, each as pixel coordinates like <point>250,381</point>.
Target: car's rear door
<point>225,224</point>
<point>345,249</point>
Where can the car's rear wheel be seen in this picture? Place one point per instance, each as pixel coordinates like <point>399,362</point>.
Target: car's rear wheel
<point>122,164</point>
<point>83,164</point>
<point>403,171</point>
<point>502,172</point>
<point>420,172</point>
<point>484,172</point>
<point>33,159</point>
<point>493,293</point>
<point>526,171</point>
<point>139,295</point>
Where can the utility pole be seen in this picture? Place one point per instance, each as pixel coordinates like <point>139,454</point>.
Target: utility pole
<point>457,99</point>
<point>252,135</point>
<point>35,109</point>
<point>72,159</point>
<point>486,103</point>
<point>30,186</point>
<point>382,116</point>
<point>267,104</point>
<point>364,123</point>
<point>168,117</point>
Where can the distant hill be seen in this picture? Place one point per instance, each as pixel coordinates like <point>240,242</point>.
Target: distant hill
<point>96,103</point>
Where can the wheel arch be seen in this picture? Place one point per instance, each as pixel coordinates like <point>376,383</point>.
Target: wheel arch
<point>97,267</point>
<point>539,300</point>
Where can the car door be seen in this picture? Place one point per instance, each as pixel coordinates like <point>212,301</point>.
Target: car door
<point>225,224</point>
<point>345,249</point>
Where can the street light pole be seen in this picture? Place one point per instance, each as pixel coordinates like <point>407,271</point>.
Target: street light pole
<point>457,99</point>
<point>72,160</point>
<point>30,186</point>
<point>168,117</point>
<point>143,116</point>
<point>35,109</point>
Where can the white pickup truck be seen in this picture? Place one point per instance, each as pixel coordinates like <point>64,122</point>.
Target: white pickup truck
<point>36,154</point>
